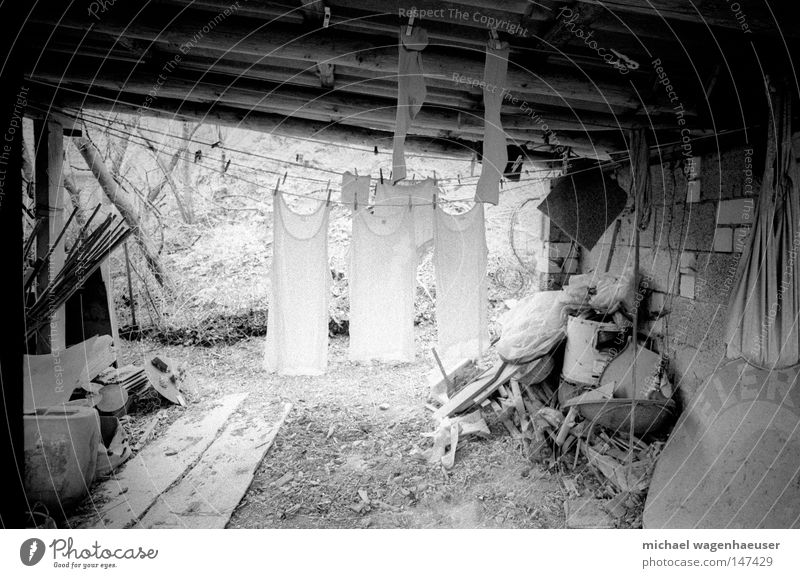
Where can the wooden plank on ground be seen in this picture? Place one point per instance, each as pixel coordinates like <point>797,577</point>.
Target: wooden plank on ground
<point>208,494</point>
<point>128,495</point>
<point>464,397</point>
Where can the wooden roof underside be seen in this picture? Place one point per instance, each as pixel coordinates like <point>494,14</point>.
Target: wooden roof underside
<point>267,65</point>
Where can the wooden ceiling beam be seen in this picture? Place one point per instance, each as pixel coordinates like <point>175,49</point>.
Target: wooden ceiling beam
<point>715,13</point>
<point>446,111</point>
<point>353,52</point>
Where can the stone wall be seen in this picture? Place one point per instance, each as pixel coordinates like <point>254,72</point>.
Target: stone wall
<point>688,255</point>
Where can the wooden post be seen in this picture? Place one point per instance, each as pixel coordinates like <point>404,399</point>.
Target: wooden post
<point>50,209</point>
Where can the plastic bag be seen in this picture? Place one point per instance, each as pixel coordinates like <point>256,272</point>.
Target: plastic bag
<point>613,291</point>
<point>533,328</point>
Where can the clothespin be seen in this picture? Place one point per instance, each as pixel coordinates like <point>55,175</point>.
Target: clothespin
<point>327,19</point>
<point>356,170</point>
<point>381,171</point>
<point>277,184</point>
<point>434,200</point>
<point>328,200</point>
<point>434,178</point>
<point>410,205</point>
<point>411,18</point>
<point>376,149</point>
<point>459,178</point>
<point>472,164</point>
<point>286,174</point>
<point>494,39</point>
<point>516,164</point>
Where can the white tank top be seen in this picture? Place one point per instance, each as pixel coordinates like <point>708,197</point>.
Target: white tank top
<point>460,258</point>
<point>297,322</point>
<point>383,268</point>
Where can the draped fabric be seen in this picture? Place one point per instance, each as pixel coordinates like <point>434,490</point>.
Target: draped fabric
<point>640,176</point>
<point>495,153</point>
<point>297,325</point>
<point>355,190</point>
<point>383,273</point>
<point>763,310</point>
<point>411,93</point>
<point>460,259</point>
<point>420,194</point>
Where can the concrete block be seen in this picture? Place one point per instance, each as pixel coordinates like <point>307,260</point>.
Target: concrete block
<point>716,274</point>
<point>700,227</point>
<point>560,250</point>
<point>723,240</point>
<point>687,286</point>
<point>735,211</point>
<point>693,191</point>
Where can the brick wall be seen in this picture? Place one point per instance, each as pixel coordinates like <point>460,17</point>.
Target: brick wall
<point>689,255</point>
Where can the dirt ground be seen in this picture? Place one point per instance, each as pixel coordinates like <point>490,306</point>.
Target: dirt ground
<point>356,433</point>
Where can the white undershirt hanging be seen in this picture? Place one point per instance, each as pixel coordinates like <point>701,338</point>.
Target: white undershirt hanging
<point>421,194</point>
<point>355,190</point>
<point>297,323</point>
<point>460,258</point>
<point>383,268</point>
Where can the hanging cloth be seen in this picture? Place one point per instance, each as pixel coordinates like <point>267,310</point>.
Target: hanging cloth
<point>383,269</point>
<point>355,190</point>
<point>421,195</point>
<point>495,153</point>
<point>411,93</point>
<point>460,259</point>
<point>297,323</point>
<point>765,304</point>
<point>640,176</point>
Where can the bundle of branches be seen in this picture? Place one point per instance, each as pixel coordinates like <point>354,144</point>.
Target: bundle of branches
<point>83,259</point>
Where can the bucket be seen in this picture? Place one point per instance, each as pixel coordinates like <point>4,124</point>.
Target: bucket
<point>583,362</point>
<point>60,455</point>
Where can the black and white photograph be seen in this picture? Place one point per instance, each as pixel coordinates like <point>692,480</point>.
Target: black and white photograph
<point>523,272</point>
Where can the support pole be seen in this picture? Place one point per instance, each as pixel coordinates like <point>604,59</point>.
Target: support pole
<point>50,210</point>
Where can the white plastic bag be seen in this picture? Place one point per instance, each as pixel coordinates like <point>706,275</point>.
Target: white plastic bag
<point>533,328</point>
<point>613,291</point>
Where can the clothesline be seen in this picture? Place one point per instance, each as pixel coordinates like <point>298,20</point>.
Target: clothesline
<point>192,118</point>
<point>292,163</point>
<point>123,133</point>
<point>297,195</point>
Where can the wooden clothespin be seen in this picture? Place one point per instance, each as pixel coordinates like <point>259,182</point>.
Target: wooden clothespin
<point>434,178</point>
<point>328,200</point>
<point>381,172</point>
<point>326,21</point>
<point>494,39</point>
<point>277,184</point>
<point>286,174</point>
<point>411,18</point>
<point>434,200</point>
<point>516,164</point>
<point>459,178</point>
<point>356,171</point>
<point>376,149</point>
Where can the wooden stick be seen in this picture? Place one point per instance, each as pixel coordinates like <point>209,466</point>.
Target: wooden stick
<point>450,386</point>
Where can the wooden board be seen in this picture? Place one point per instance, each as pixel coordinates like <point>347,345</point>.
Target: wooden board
<point>464,397</point>
<point>129,494</point>
<point>208,494</point>
<point>50,380</point>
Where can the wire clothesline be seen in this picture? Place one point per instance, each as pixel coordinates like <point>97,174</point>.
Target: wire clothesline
<point>283,161</point>
<point>618,159</point>
<point>146,144</point>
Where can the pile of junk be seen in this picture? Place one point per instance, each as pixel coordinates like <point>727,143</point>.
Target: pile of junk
<point>79,410</point>
<point>570,385</point>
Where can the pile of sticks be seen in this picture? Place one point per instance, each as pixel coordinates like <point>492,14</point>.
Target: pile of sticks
<point>83,259</point>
